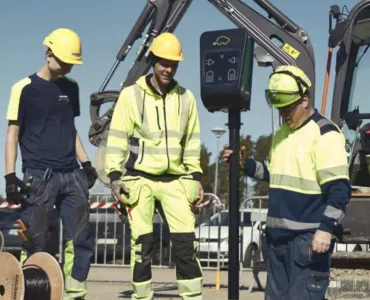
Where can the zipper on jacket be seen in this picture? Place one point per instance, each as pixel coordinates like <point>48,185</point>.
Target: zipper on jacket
<point>178,103</point>
<point>165,130</point>
<point>142,153</point>
<point>143,109</point>
<point>159,125</point>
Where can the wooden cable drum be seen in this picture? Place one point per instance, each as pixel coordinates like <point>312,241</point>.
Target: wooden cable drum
<point>40,278</point>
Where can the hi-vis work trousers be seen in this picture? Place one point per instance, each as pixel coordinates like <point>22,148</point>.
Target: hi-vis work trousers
<point>172,199</point>
<point>69,192</point>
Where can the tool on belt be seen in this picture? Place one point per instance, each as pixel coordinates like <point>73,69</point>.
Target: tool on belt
<point>22,233</point>
<point>37,190</point>
<point>25,193</point>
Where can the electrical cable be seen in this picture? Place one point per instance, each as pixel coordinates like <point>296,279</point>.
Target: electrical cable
<point>2,241</point>
<point>37,284</point>
<point>39,278</point>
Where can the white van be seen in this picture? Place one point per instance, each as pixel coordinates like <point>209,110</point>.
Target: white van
<point>207,235</point>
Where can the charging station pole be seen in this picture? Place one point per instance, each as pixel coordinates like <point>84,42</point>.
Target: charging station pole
<point>234,202</point>
<point>226,67</point>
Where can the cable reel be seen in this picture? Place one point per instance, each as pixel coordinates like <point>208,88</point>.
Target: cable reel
<point>39,278</point>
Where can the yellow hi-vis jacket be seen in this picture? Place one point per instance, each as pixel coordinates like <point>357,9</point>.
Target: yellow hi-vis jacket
<point>154,134</point>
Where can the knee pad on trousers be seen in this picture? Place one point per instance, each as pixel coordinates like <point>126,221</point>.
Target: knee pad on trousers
<point>142,267</point>
<point>187,266</point>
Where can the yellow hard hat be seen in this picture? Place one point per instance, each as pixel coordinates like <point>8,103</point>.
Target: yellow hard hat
<point>287,85</point>
<point>66,45</point>
<point>167,46</point>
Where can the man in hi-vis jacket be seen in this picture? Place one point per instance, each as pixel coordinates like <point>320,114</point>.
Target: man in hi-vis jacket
<point>155,135</point>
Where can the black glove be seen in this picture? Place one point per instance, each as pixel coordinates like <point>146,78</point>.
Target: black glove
<point>90,172</point>
<point>15,189</point>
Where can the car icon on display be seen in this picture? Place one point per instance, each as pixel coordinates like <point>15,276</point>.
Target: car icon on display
<point>221,41</point>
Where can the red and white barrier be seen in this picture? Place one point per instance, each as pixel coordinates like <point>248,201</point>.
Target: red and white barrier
<point>9,205</point>
<point>203,204</point>
<point>93,205</point>
<point>97,205</point>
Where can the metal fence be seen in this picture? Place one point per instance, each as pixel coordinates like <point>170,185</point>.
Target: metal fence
<point>213,236</point>
<point>112,238</point>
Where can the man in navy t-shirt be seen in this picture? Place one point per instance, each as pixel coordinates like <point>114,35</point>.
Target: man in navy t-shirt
<point>41,114</point>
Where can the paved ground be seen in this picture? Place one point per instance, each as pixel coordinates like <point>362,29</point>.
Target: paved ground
<point>113,283</point>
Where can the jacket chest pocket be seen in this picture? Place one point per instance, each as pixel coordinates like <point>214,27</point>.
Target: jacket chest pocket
<point>152,123</point>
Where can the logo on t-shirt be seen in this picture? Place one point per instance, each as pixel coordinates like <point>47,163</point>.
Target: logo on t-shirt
<point>63,98</point>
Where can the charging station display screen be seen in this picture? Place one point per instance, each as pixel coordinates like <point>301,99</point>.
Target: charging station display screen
<point>226,60</point>
<point>221,67</point>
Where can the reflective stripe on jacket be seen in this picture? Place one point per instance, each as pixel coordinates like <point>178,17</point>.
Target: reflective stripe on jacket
<point>308,176</point>
<point>154,134</point>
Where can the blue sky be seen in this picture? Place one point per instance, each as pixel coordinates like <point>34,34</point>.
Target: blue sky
<point>104,25</point>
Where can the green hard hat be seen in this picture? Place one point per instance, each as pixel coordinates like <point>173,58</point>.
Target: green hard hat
<point>287,85</point>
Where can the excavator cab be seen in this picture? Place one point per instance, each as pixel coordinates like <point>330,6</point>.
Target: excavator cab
<point>350,108</point>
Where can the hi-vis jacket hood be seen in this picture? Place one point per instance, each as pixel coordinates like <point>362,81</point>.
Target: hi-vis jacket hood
<point>155,134</point>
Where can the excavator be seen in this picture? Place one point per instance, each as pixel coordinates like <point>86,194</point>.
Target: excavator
<point>280,41</point>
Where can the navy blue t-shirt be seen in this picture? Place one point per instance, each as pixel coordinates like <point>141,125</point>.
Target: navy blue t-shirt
<point>46,111</point>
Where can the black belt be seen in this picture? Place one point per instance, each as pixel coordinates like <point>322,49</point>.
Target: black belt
<point>53,170</point>
<point>161,177</point>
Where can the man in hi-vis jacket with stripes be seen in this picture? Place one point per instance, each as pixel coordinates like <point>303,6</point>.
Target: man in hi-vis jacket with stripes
<point>309,190</point>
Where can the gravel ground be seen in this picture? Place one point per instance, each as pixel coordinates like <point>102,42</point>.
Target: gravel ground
<point>115,290</point>
<point>113,283</point>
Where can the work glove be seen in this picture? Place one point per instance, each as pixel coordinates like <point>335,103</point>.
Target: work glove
<point>15,189</point>
<point>118,187</point>
<point>90,172</point>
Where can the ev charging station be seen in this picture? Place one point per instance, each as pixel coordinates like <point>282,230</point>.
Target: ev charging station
<point>226,66</point>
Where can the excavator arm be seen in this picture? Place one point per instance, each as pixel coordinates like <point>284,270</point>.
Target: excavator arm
<point>164,15</point>
<point>292,47</point>
<point>296,46</point>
